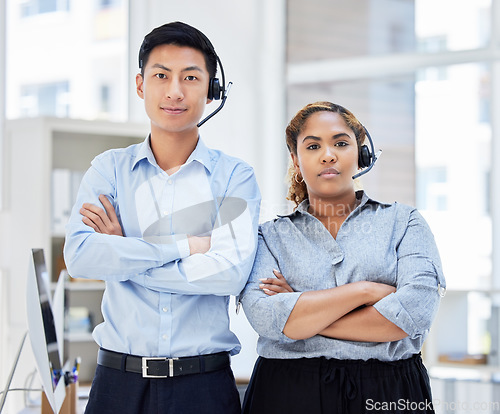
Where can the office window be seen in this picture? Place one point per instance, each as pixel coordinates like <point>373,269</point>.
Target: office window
<point>34,7</point>
<point>432,188</point>
<point>65,63</point>
<point>453,137</point>
<point>332,29</point>
<point>105,94</point>
<point>104,4</point>
<point>448,25</point>
<point>329,29</point>
<point>45,100</point>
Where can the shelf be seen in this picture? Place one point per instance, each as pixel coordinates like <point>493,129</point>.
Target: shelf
<point>475,290</point>
<point>82,286</point>
<point>78,337</point>
<point>85,286</point>
<point>465,372</point>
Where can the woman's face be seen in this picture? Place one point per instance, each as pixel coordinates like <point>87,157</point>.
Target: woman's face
<point>327,156</point>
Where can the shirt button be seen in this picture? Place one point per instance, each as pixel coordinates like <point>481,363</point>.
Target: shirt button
<point>165,337</point>
<point>165,309</point>
<point>165,213</point>
<point>169,181</point>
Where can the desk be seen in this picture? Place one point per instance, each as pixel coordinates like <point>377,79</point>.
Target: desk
<point>83,395</point>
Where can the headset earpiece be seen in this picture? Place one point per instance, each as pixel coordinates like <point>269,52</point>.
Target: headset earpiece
<point>215,90</point>
<point>364,157</point>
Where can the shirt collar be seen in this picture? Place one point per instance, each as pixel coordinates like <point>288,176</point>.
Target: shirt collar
<point>144,152</point>
<point>200,154</point>
<point>360,195</point>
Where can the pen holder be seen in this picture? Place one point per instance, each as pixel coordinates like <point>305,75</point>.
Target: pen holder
<point>69,404</point>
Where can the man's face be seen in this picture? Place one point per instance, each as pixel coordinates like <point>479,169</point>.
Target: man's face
<point>174,88</point>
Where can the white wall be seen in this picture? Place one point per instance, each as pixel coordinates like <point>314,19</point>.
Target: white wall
<point>3,324</point>
<point>3,301</point>
<point>3,31</point>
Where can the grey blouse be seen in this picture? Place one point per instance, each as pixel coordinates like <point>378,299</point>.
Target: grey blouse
<point>386,243</point>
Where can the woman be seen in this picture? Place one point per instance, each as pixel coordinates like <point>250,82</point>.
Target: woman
<point>343,290</point>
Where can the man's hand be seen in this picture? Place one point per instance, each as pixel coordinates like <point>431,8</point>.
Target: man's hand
<point>272,286</point>
<point>104,222</point>
<point>199,244</point>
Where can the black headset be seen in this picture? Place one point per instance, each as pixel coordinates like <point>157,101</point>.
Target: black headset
<point>216,91</point>
<point>366,157</point>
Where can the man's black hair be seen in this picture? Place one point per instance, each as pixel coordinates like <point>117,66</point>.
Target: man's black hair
<point>178,34</point>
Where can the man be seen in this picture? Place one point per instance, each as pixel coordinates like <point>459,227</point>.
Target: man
<point>177,236</point>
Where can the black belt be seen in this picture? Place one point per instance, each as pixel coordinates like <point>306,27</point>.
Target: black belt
<point>161,367</point>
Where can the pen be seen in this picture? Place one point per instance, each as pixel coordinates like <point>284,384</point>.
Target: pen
<point>76,369</point>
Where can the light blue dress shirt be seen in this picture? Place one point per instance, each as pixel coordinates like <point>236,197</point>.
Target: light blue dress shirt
<point>159,300</point>
<point>386,243</point>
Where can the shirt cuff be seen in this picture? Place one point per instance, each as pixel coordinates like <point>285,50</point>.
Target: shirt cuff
<point>390,308</point>
<point>174,248</point>
<point>285,302</point>
<point>183,247</point>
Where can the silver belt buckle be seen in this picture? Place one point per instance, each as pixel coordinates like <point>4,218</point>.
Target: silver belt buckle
<point>145,367</point>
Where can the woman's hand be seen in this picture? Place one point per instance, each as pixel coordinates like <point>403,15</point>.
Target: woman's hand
<point>271,286</point>
<point>102,221</point>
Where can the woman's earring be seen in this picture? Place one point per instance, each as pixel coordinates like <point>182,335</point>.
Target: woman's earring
<point>297,181</point>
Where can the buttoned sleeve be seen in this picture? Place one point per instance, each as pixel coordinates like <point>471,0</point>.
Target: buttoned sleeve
<point>106,257</point>
<point>225,268</point>
<point>267,314</point>
<point>419,278</point>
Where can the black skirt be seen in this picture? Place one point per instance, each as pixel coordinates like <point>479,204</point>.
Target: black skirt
<point>320,385</point>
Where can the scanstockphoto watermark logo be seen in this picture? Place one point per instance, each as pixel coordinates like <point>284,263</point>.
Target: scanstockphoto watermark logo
<point>399,405</point>
<point>459,406</point>
<point>440,406</point>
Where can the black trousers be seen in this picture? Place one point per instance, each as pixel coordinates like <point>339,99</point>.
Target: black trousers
<point>320,385</point>
<point>114,391</point>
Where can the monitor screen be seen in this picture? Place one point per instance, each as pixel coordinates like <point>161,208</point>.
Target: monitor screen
<point>49,327</point>
<point>43,332</point>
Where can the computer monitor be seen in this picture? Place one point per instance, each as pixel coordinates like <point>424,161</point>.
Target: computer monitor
<point>43,332</point>
<point>44,294</point>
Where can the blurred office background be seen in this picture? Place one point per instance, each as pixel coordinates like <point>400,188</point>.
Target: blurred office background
<point>422,75</point>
